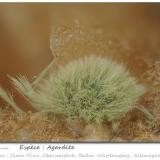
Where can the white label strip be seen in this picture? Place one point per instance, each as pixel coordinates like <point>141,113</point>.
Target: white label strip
<point>83,151</point>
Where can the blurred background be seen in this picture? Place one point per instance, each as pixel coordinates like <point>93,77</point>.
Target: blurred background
<point>25,30</point>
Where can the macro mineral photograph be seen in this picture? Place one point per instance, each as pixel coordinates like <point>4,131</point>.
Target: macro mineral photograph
<point>79,72</point>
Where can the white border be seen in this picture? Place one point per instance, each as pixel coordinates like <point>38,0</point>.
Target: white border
<point>91,1</point>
